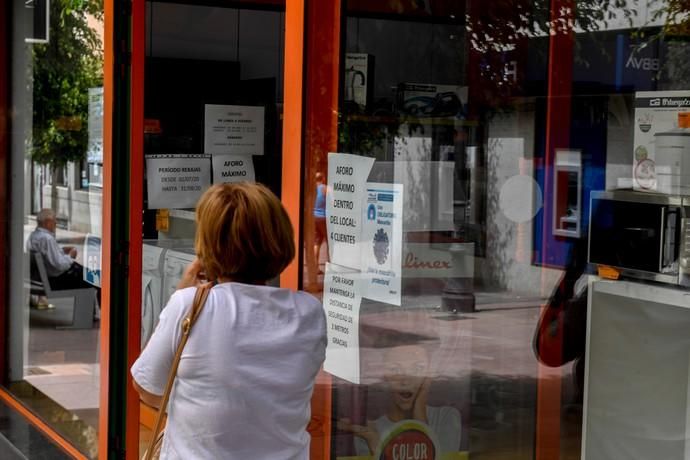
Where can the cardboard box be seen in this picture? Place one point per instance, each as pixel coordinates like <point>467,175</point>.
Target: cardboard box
<point>359,79</point>
<point>656,112</point>
<point>428,100</point>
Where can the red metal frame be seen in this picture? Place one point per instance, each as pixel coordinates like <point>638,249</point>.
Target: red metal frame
<point>558,107</point>
<point>4,183</point>
<point>136,208</point>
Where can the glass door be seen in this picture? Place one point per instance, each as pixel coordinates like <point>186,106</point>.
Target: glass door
<point>55,214</point>
<point>213,111</point>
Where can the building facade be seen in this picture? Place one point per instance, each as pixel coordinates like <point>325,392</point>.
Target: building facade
<point>491,199</point>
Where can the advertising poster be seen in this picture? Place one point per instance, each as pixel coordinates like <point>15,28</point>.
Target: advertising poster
<point>656,117</point>
<point>341,301</point>
<point>233,129</point>
<point>382,242</point>
<point>232,168</point>
<point>347,177</point>
<point>414,398</point>
<point>176,181</point>
<point>92,260</point>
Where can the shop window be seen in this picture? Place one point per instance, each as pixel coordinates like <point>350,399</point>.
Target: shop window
<point>53,305</point>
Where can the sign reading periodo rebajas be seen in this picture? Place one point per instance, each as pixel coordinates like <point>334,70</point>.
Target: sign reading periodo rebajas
<point>347,177</point>
<point>176,181</point>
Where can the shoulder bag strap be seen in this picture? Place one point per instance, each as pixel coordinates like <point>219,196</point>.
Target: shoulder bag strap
<point>198,305</point>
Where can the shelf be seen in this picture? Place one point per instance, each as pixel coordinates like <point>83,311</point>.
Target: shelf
<point>409,119</point>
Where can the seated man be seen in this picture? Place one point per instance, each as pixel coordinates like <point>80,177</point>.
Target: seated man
<point>63,271</point>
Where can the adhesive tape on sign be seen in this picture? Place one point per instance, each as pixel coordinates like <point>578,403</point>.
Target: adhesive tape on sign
<point>520,198</point>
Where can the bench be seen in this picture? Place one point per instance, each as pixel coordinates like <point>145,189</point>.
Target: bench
<point>84,298</point>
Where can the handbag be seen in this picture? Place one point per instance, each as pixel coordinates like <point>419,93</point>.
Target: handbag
<point>154,449</point>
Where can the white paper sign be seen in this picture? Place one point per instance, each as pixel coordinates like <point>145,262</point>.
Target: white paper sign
<point>232,168</point>
<point>92,260</point>
<point>233,129</point>
<point>382,242</point>
<point>347,176</point>
<point>94,150</point>
<point>177,181</point>
<point>341,301</point>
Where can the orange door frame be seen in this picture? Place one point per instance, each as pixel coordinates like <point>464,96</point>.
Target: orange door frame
<point>7,397</point>
<point>312,65</point>
<point>558,107</point>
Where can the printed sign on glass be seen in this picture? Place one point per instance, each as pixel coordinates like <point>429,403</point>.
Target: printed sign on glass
<point>347,176</point>
<point>233,129</point>
<point>176,181</point>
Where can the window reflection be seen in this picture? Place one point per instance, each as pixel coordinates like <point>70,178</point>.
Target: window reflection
<point>504,122</point>
<point>56,212</point>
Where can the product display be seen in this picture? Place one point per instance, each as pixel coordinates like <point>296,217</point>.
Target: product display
<point>661,161</point>
<point>427,100</point>
<point>359,73</point>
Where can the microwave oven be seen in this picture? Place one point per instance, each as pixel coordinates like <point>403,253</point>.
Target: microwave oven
<point>643,235</point>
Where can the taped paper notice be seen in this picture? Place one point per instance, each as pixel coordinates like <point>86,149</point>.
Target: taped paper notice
<point>382,242</point>
<point>232,168</point>
<point>341,301</point>
<point>347,177</point>
<point>92,260</point>
<point>176,181</point>
<point>233,129</point>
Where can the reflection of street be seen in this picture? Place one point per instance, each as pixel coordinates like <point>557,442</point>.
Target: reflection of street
<point>484,365</point>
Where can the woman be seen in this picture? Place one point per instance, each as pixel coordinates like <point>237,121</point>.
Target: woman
<point>247,373</point>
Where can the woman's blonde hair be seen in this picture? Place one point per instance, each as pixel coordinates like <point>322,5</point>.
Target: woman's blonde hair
<point>243,233</point>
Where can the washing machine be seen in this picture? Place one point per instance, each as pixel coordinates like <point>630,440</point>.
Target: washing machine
<point>175,261</point>
<point>151,287</point>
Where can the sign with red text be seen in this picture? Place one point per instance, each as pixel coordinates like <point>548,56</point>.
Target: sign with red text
<point>438,260</point>
<point>408,440</point>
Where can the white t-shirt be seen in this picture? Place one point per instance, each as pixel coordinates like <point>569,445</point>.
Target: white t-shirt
<point>443,421</point>
<point>246,376</point>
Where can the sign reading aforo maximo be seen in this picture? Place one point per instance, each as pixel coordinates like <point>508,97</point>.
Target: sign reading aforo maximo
<point>233,129</point>
<point>347,177</point>
<point>233,168</point>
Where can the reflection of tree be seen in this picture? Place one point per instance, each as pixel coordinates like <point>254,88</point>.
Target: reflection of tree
<point>63,71</point>
<point>503,28</point>
<point>498,237</point>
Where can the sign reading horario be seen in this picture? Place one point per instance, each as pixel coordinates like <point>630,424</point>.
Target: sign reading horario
<point>347,176</point>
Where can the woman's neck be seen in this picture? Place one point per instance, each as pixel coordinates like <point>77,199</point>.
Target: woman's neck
<point>228,279</point>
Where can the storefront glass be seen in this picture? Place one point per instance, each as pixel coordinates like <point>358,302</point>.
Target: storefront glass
<point>55,214</point>
<point>502,166</point>
<point>213,114</point>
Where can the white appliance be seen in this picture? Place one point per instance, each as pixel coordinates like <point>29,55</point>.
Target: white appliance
<point>163,262</point>
<point>174,263</point>
<point>151,288</point>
